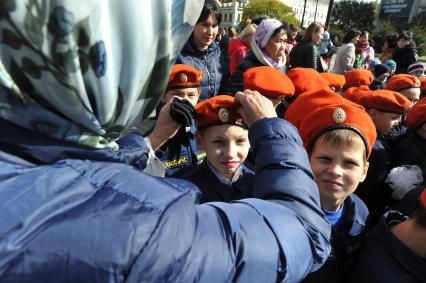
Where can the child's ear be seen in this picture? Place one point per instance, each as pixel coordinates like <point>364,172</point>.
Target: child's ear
<point>364,171</point>
<point>199,140</point>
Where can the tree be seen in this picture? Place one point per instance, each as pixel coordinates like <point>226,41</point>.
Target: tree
<point>273,9</point>
<point>353,14</point>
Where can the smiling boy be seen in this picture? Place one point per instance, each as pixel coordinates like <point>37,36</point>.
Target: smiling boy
<point>223,135</point>
<point>338,136</point>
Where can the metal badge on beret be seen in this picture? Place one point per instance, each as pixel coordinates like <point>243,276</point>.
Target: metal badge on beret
<point>223,115</point>
<point>183,77</point>
<point>339,116</point>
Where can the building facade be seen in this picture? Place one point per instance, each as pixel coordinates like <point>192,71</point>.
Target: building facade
<point>315,11</point>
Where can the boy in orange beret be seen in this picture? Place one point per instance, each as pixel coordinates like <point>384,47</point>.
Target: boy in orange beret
<point>409,86</point>
<point>222,134</point>
<point>422,87</point>
<point>269,82</point>
<point>412,149</point>
<point>385,109</point>
<point>335,81</point>
<point>306,79</point>
<point>358,77</point>
<point>173,137</point>
<point>338,136</point>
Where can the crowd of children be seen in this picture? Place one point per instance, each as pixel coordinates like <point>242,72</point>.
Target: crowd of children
<point>291,167</point>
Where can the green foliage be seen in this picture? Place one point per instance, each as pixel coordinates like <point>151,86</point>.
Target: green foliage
<point>354,14</point>
<point>272,9</point>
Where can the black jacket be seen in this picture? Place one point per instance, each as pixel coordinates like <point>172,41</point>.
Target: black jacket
<point>404,57</point>
<point>235,82</point>
<point>305,55</point>
<point>214,190</point>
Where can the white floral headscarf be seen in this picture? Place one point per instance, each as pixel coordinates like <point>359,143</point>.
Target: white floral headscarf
<point>82,71</point>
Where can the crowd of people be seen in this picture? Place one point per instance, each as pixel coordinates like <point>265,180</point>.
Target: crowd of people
<point>265,162</point>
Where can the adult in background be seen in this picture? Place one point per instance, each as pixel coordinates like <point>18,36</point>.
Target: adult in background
<point>202,52</point>
<point>239,46</point>
<point>324,46</point>
<point>388,47</point>
<point>291,42</point>
<point>305,54</point>
<point>267,49</point>
<point>345,57</point>
<point>405,53</point>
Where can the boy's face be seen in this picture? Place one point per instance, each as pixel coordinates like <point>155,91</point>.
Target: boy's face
<point>338,170</point>
<point>385,121</point>
<point>413,94</point>
<point>226,147</point>
<point>190,94</point>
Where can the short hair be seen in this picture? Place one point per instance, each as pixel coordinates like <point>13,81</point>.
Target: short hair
<point>391,40</point>
<point>312,28</point>
<point>247,31</point>
<point>210,8</point>
<point>406,35</point>
<point>364,33</point>
<point>350,34</point>
<point>341,136</point>
<point>278,30</point>
<point>294,28</point>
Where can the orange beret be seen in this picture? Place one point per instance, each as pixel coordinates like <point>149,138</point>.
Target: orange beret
<point>325,112</point>
<point>268,81</point>
<point>386,101</point>
<point>218,110</point>
<point>184,76</point>
<point>402,82</point>
<point>354,93</point>
<point>305,79</point>
<point>358,77</point>
<point>423,85</point>
<point>417,114</point>
<point>335,81</point>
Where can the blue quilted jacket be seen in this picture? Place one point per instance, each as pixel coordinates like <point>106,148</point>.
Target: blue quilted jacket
<point>68,216</point>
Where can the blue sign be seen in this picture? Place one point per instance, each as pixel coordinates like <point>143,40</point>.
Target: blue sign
<point>396,8</point>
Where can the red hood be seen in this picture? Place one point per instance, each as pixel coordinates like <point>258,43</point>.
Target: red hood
<point>235,44</point>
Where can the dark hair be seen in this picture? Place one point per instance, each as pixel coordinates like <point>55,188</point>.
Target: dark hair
<point>278,30</point>
<point>210,8</point>
<point>293,28</point>
<point>258,20</point>
<point>391,40</point>
<point>350,34</point>
<point>364,33</point>
<point>406,35</point>
<point>309,32</point>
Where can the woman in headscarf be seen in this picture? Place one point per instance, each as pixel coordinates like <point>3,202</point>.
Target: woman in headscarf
<point>267,49</point>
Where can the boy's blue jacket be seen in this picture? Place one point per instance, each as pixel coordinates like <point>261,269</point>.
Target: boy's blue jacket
<point>74,214</point>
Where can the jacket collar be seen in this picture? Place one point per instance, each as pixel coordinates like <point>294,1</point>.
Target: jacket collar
<point>412,263</point>
<point>354,216</point>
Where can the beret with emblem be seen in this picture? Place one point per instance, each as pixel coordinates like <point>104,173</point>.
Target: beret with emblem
<point>355,93</point>
<point>358,77</point>
<point>402,82</point>
<point>417,115</point>
<point>218,110</point>
<point>184,76</point>
<point>385,101</point>
<point>306,79</point>
<point>322,112</point>
<point>335,81</point>
<point>268,81</point>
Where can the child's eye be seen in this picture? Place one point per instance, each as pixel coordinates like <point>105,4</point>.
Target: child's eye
<point>241,141</point>
<point>218,142</point>
<point>324,158</point>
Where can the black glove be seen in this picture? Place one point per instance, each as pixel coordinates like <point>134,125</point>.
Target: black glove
<point>182,111</point>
